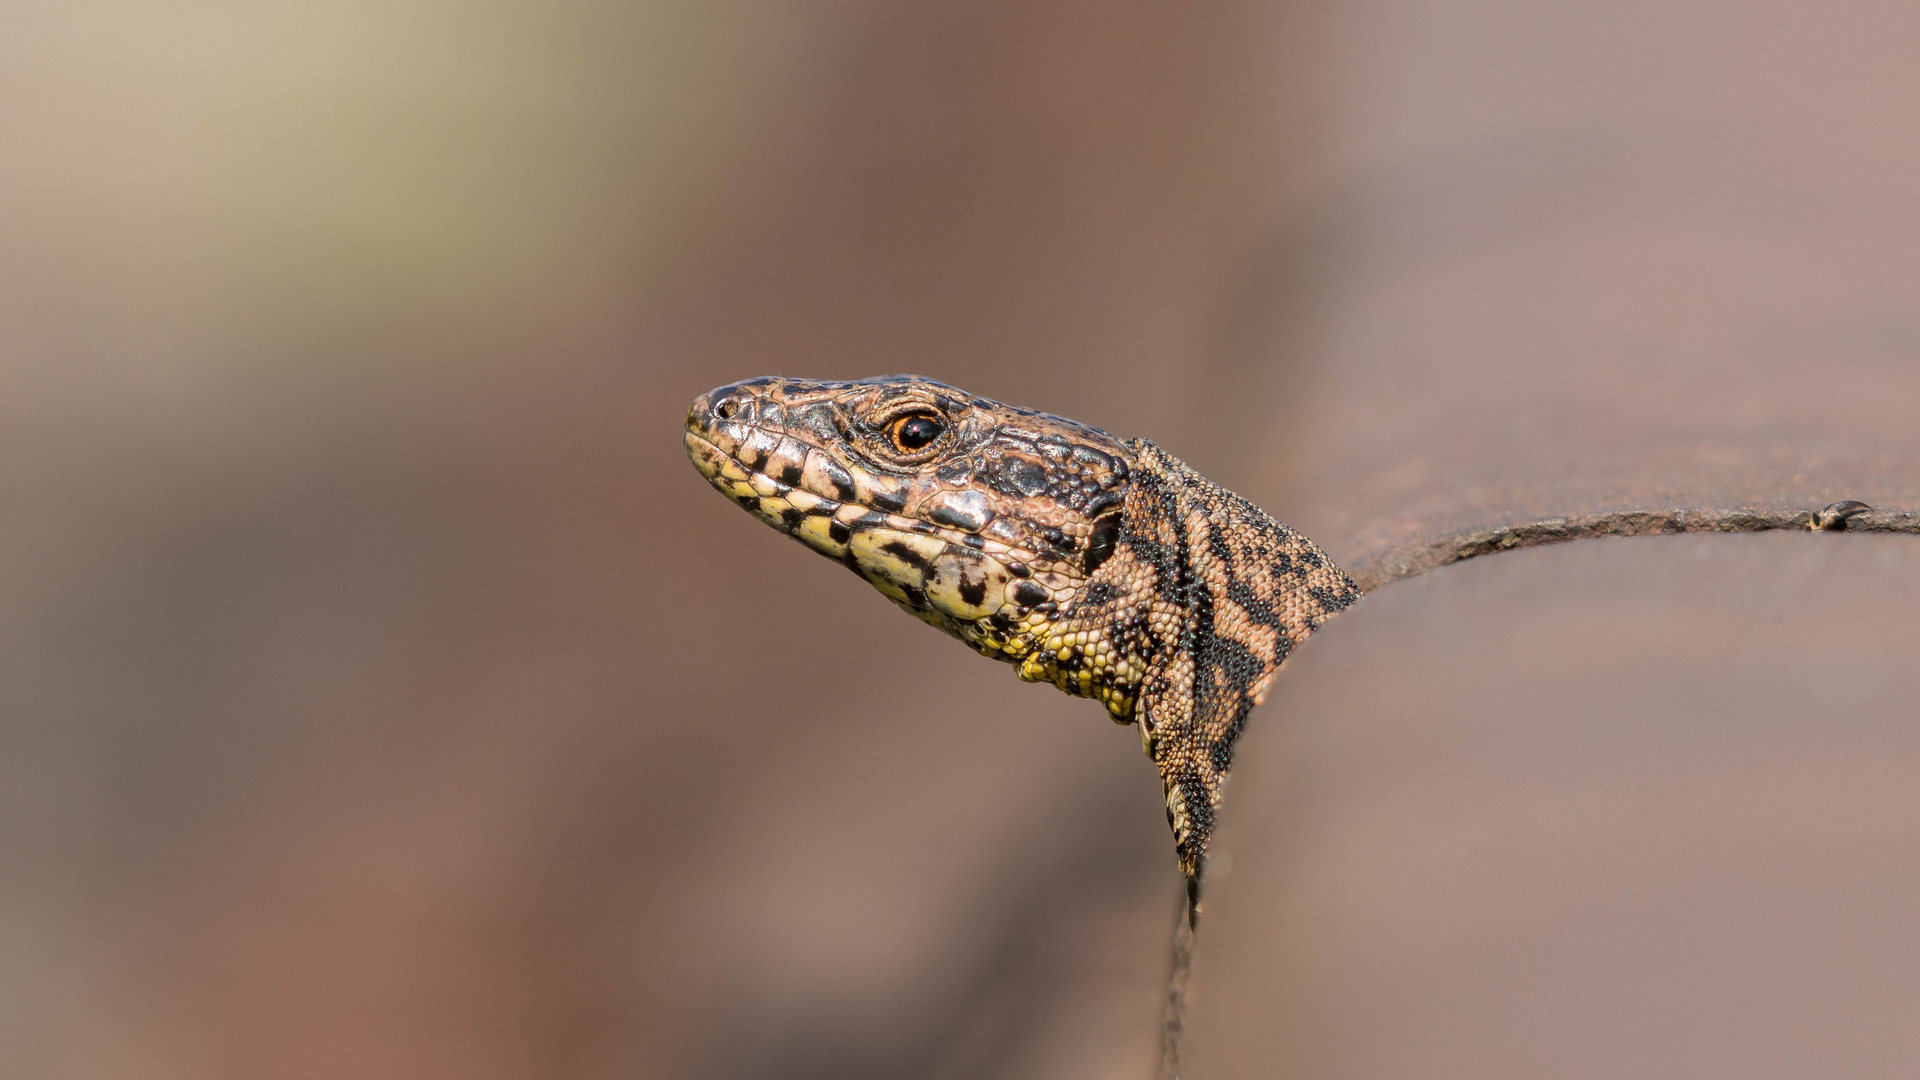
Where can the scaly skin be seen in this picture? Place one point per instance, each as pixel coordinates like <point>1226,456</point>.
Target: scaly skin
<point>1107,568</point>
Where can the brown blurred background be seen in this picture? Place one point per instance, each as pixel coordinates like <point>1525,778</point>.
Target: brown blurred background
<point>384,695</point>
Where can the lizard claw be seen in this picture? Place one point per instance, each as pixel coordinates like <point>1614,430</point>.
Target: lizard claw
<point>1834,518</point>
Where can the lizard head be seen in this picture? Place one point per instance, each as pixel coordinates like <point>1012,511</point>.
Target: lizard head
<point>1107,568</point>
<point>987,520</point>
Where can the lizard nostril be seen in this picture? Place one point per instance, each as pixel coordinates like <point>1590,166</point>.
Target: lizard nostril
<point>728,408</point>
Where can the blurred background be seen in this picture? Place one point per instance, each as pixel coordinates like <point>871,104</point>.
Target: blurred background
<point>384,695</point>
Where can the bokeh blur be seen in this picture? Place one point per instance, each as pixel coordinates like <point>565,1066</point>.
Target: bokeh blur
<point>383,695</point>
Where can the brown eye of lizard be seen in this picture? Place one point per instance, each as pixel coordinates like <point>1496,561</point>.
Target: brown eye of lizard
<point>915,431</point>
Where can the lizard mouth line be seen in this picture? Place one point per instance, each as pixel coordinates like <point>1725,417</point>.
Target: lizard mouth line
<point>752,489</point>
<point>747,485</point>
<point>706,462</point>
<point>953,580</point>
<point>719,447</point>
<point>743,483</point>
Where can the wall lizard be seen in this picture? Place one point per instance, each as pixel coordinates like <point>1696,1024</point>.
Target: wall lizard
<point>1106,567</point>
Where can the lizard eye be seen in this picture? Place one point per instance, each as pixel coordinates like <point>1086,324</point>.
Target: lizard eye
<point>915,432</point>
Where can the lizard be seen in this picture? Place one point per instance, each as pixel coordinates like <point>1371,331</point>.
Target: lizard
<point>1104,566</point>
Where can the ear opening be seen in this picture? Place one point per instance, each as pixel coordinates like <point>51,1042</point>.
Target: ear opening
<point>1101,541</point>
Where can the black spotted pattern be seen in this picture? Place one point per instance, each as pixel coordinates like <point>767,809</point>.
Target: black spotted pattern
<point>1107,568</point>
